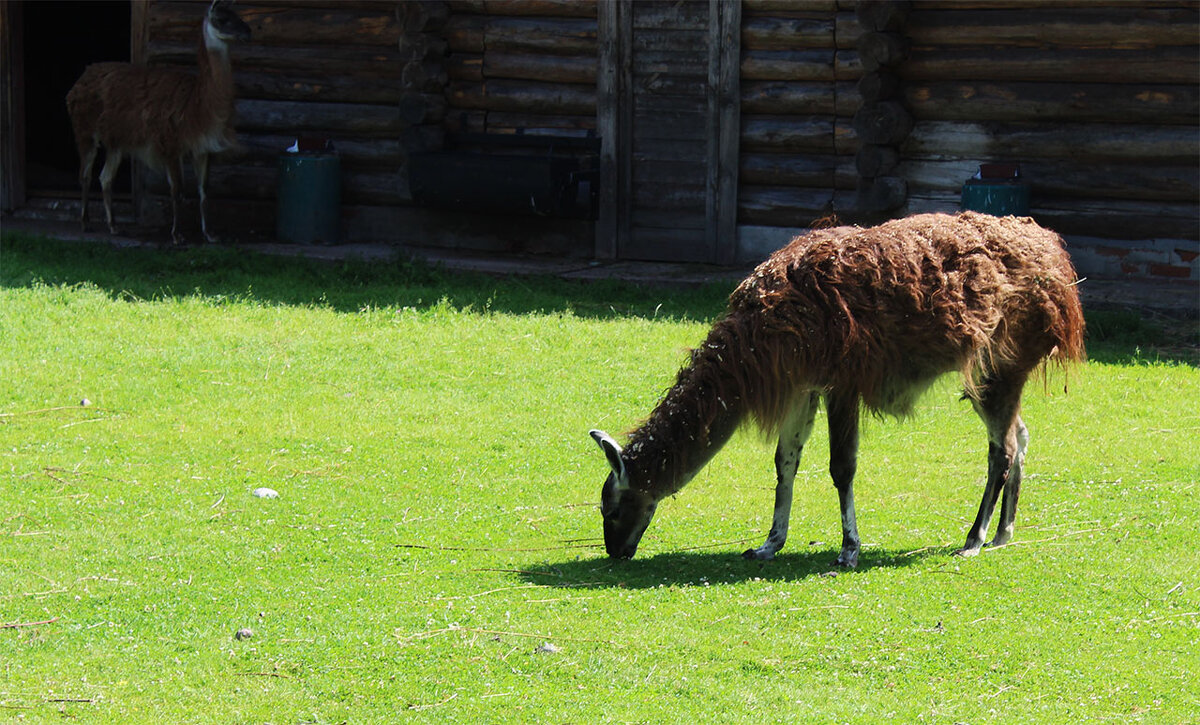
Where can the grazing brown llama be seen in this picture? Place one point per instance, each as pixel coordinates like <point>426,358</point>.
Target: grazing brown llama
<point>158,115</point>
<point>864,318</point>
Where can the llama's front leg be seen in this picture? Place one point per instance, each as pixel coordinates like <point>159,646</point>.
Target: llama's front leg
<point>174,178</point>
<point>792,438</point>
<point>998,406</point>
<point>1012,488</point>
<point>843,463</point>
<point>200,162</point>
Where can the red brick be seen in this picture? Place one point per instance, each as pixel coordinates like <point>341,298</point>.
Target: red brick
<point>1187,255</point>
<point>1111,251</point>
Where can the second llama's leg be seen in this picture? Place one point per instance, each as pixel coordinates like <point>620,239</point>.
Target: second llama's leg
<point>843,463</point>
<point>112,162</point>
<point>998,404</point>
<point>792,437</point>
<point>87,158</point>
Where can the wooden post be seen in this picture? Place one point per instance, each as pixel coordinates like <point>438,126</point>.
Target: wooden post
<point>725,35</point>
<point>614,124</point>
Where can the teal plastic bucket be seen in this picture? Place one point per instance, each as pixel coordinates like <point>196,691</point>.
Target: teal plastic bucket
<point>998,197</point>
<point>309,198</point>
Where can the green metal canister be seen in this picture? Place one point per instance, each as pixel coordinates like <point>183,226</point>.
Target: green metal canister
<point>997,190</point>
<point>309,197</point>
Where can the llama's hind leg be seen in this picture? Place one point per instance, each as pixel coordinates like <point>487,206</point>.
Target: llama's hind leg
<point>998,405</point>
<point>792,437</point>
<point>112,162</point>
<point>87,159</point>
<point>843,463</point>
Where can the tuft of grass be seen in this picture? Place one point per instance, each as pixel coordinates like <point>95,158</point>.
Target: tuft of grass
<point>434,551</point>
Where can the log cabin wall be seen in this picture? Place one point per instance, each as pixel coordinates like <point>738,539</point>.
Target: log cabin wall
<point>1097,101</point>
<point>329,68</point>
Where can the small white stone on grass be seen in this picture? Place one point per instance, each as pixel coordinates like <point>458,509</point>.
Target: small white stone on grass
<point>243,633</point>
<point>85,403</point>
<point>265,493</point>
<point>545,648</point>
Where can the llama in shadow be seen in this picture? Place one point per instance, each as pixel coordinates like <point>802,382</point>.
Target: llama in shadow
<point>861,318</point>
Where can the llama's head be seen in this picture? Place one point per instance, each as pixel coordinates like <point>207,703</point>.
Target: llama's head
<point>222,25</point>
<point>627,510</point>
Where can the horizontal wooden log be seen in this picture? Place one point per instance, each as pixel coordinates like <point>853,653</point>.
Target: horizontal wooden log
<point>541,124</point>
<point>812,170</point>
<point>546,8</point>
<point>377,62</point>
<point>772,7</point>
<point>1064,65</point>
<point>655,150</point>
<point>847,31</point>
<point>465,66</point>
<point>356,153</point>
<point>561,36</point>
<point>298,26</point>
<point>1053,27</point>
<point>1083,141</point>
<point>350,119</point>
<point>783,206</point>
<point>254,181</point>
<point>847,65</point>
<point>350,88</point>
<point>784,134</point>
<point>1116,219</point>
<point>423,46</point>
<point>523,96</point>
<point>1068,179</point>
<point>776,33</point>
<point>779,97</point>
<point>885,122</point>
<point>787,65</point>
<point>1061,102</point>
<point>664,196</point>
<point>537,67</point>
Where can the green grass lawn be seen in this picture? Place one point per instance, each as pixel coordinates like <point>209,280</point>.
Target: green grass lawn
<point>434,551</point>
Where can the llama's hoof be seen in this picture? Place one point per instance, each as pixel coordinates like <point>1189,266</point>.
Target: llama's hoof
<point>967,552</point>
<point>759,554</point>
<point>847,559</point>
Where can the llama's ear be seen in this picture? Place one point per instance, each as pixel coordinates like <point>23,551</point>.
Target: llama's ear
<point>612,451</point>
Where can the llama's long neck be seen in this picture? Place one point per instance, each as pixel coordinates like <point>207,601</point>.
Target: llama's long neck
<point>215,91</point>
<point>694,420</point>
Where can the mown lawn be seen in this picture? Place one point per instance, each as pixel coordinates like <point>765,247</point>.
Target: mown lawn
<point>433,552</point>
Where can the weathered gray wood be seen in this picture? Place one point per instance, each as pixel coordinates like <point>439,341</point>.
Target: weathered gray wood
<point>295,26</point>
<point>882,15</point>
<point>881,50</point>
<point>878,86</point>
<point>527,96</point>
<point>613,121</point>
<point>783,206</point>
<point>727,37</point>
<point>378,62</point>
<point>1064,65</point>
<point>787,65</point>
<point>874,160</point>
<point>547,8</point>
<point>1052,26</point>
<point>881,194</point>
<point>538,67</point>
<point>811,170</point>
<point>1095,142</point>
<point>781,97</point>
<point>1054,102</point>
<point>358,119</point>
<point>783,133</point>
<point>560,36</point>
<point>778,33</point>
<point>1070,178</point>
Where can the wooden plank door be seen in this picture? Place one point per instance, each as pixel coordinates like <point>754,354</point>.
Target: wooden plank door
<point>668,112</point>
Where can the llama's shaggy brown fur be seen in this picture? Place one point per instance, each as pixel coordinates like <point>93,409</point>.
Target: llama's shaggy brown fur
<point>871,314</point>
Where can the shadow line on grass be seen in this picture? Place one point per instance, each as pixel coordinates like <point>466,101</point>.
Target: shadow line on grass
<point>695,568</point>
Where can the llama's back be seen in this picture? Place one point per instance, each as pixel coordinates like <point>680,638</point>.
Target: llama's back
<point>883,311</point>
<point>133,108</point>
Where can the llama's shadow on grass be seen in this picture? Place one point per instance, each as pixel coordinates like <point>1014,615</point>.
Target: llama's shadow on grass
<point>691,568</point>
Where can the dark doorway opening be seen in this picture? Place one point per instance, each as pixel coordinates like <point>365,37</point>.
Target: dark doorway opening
<point>61,39</point>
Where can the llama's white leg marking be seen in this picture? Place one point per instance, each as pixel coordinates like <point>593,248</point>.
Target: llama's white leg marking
<point>200,162</point>
<point>1007,439</point>
<point>1012,488</point>
<point>792,438</point>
